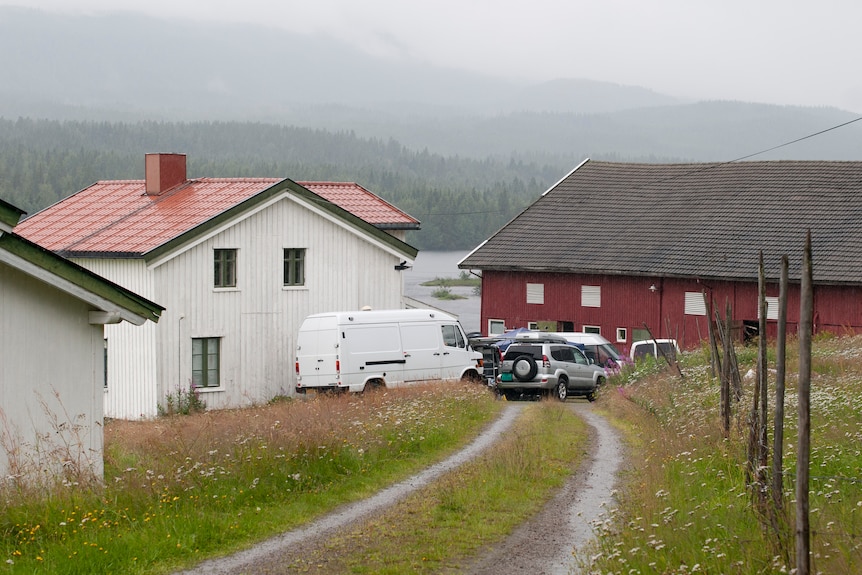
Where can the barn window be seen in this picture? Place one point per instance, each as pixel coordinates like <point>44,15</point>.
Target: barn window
<point>622,334</point>
<point>536,293</point>
<point>593,329</point>
<point>591,296</point>
<point>224,268</point>
<point>533,325</point>
<point>294,266</point>
<point>771,308</point>
<point>496,326</point>
<point>694,303</point>
<point>205,361</point>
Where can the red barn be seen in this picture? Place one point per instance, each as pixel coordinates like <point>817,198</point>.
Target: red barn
<point>620,248</point>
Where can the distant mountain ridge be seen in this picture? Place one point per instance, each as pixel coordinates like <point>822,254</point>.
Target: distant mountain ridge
<point>128,67</point>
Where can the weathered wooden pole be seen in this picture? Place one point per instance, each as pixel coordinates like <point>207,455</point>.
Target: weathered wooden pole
<point>780,368</point>
<point>762,445</point>
<point>806,320</point>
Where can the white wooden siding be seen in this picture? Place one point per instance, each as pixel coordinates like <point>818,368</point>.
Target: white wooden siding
<point>50,377</point>
<point>132,360</point>
<point>257,322</point>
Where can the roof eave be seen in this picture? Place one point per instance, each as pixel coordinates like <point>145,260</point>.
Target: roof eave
<point>80,282</point>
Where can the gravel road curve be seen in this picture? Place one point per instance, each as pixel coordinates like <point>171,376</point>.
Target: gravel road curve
<point>529,550</point>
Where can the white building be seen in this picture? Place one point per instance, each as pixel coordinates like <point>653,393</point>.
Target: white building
<point>237,262</point>
<point>52,367</point>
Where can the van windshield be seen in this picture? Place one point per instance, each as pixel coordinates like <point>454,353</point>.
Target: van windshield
<point>612,351</point>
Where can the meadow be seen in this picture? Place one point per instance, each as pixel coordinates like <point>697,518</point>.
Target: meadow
<point>684,505</point>
<point>184,487</point>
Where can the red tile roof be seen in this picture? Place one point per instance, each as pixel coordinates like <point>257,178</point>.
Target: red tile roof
<point>119,217</point>
<point>364,204</point>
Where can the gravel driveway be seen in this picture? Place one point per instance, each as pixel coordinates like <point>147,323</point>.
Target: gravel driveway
<point>528,550</point>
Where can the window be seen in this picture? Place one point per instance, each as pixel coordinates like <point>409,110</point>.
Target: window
<point>591,296</point>
<point>536,293</point>
<point>771,308</point>
<point>294,266</point>
<point>224,268</point>
<point>592,329</point>
<point>452,336</point>
<point>205,361</point>
<point>563,353</point>
<point>621,334</point>
<point>640,334</point>
<point>496,326</point>
<point>532,325</point>
<point>694,303</point>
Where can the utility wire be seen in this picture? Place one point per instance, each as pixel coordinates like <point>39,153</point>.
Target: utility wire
<point>711,166</point>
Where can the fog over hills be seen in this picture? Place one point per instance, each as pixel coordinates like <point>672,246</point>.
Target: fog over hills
<point>129,67</point>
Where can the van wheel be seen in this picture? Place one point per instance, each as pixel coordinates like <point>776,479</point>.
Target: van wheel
<point>373,385</point>
<point>471,377</point>
<point>562,390</point>
<point>524,368</point>
<point>600,381</point>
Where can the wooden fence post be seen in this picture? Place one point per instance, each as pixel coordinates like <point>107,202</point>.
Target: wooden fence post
<point>780,368</point>
<point>806,320</point>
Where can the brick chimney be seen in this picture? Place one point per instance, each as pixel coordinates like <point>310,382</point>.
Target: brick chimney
<point>164,171</point>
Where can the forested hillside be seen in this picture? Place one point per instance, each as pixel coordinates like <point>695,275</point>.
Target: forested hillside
<point>460,202</point>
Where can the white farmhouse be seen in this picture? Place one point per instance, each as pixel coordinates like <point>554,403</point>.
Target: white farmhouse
<point>52,358</point>
<point>238,264</point>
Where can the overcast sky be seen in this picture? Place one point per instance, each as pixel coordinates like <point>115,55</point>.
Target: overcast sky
<point>772,51</point>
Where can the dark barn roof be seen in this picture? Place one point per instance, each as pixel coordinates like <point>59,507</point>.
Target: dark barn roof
<point>688,220</point>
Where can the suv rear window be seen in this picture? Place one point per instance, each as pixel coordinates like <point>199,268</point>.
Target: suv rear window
<point>515,351</point>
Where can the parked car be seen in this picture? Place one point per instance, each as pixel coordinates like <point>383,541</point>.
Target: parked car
<point>657,348</point>
<point>598,349</point>
<point>540,364</point>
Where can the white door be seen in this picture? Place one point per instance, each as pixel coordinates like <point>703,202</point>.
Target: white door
<point>422,351</point>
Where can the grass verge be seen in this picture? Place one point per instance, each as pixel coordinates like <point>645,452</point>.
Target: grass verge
<point>684,506</point>
<point>183,488</point>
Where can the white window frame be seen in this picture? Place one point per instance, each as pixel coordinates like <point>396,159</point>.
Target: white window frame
<point>493,323</point>
<point>536,293</point>
<point>694,303</point>
<point>596,329</point>
<point>533,325</point>
<point>591,296</point>
<point>622,334</point>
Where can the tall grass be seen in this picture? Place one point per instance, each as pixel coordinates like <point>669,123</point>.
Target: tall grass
<point>684,505</point>
<point>182,488</point>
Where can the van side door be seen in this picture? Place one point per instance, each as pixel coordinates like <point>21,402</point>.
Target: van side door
<point>422,351</point>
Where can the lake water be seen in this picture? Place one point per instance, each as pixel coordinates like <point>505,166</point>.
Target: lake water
<point>431,265</point>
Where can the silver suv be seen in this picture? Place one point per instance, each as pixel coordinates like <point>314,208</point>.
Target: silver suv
<point>545,364</point>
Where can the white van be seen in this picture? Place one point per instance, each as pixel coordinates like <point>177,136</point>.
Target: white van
<point>596,348</point>
<point>354,349</point>
<point>656,348</point>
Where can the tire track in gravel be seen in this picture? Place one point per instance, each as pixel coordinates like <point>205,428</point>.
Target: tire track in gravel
<point>545,544</point>
<point>263,556</point>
